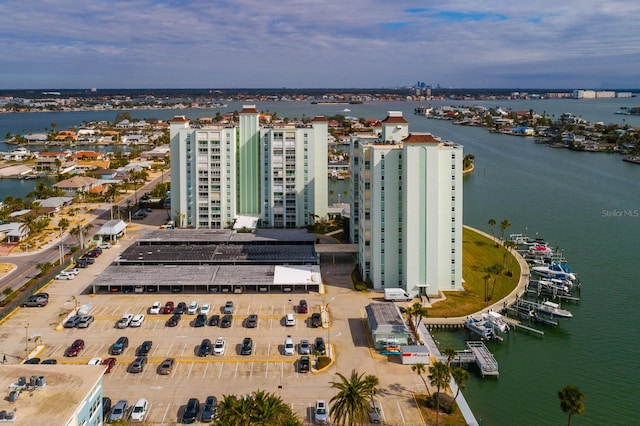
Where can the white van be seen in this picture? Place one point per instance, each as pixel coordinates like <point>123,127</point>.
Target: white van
<point>396,294</point>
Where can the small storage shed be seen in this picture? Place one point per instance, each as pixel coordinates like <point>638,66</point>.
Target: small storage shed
<point>386,325</point>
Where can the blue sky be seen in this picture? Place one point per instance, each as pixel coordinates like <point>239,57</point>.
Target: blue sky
<point>309,44</point>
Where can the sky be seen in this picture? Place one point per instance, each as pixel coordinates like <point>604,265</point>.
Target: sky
<point>71,44</point>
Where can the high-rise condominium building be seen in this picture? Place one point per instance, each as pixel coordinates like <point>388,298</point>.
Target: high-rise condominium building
<point>406,213</point>
<point>276,174</point>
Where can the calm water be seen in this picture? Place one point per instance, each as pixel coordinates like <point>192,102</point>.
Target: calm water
<point>586,203</point>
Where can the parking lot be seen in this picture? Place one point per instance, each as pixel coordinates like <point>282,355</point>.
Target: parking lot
<point>267,368</point>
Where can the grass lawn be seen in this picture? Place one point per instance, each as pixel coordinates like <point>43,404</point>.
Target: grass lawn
<point>478,253</point>
<point>429,415</point>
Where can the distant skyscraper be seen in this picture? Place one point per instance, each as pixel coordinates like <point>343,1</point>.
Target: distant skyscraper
<point>406,214</point>
<point>277,173</point>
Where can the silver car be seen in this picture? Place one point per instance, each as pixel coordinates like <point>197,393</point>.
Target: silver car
<point>305,347</point>
<point>119,411</point>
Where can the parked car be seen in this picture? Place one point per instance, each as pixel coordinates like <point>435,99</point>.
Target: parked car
<point>137,320</point>
<point>247,346</point>
<point>226,321</point>
<point>106,407</point>
<point>204,309</point>
<point>375,412</point>
<point>138,364</point>
<point>305,347</point>
<point>144,348</point>
<point>303,308</point>
<point>72,322</point>
<point>120,345</point>
<point>168,308</point>
<point>252,321</point>
<point>95,361</point>
<point>63,276</point>
<point>42,295</point>
<point>228,307</point>
<point>180,309</point>
<point>214,320</point>
<point>34,301</point>
<point>193,308</point>
<point>173,321</point>
<point>200,321</point>
<point>166,367</point>
<point>319,345</point>
<point>155,308</point>
<point>290,320</point>
<point>124,321</point>
<point>119,411</point>
<point>320,412</point>
<point>209,409</point>
<point>289,347</point>
<point>190,414</point>
<point>50,361</point>
<point>139,410</point>
<point>87,259</point>
<point>304,364</point>
<point>76,347</point>
<point>32,361</point>
<point>109,363</point>
<point>81,264</point>
<point>316,320</point>
<point>205,347</point>
<point>72,271</point>
<point>105,245</point>
<point>220,346</point>
<point>85,321</point>
<point>96,250</point>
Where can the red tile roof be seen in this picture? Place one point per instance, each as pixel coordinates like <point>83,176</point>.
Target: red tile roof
<point>319,118</point>
<point>420,138</point>
<point>390,119</point>
<point>249,110</point>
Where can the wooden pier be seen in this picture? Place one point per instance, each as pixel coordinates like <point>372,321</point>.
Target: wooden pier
<point>476,353</point>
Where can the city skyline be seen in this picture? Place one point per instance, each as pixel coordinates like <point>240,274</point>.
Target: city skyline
<point>303,44</point>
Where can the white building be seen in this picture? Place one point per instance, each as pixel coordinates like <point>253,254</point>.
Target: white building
<point>276,173</point>
<point>406,213</point>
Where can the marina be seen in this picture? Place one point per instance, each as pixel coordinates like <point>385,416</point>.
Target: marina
<point>478,354</point>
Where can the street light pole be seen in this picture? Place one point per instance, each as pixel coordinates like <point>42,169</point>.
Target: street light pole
<point>26,339</point>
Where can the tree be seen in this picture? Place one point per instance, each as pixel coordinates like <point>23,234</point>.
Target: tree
<point>260,408</point>
<point>571,401</point>
<point>350,406</point>
<point>492,223</point>
<point>419,311</point>
<point>461,377</point>
<point>63,223</point>
<point>419,368</point>
<point>372,381</point>
<point>450,353</point>
<point>439,376</point>
<point>504,225</point>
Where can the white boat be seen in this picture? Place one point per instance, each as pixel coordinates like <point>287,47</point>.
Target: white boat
<point>554,309</point>
<point>346,110</point>
<point>555,270</point>
<point>481,327</point>
<point>496,320</point>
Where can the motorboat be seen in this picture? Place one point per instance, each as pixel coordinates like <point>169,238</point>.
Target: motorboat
<point>496,320</point>
<point>555,270</point>
<point>481,327</point>
<point>553,309</point>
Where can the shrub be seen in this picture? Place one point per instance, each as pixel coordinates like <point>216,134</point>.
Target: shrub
<point>447,403</point>
<point>322,362</point>
<point>360,286</point>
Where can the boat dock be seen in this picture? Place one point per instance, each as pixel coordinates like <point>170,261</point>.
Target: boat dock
<point>476,353</point>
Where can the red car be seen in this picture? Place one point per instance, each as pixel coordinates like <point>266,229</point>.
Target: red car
<point>75,348</point>
<point>303,308</point>
<point>109,363</point>
<point>168,308</point>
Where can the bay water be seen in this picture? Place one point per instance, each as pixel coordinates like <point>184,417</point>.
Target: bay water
<point>588,204</point>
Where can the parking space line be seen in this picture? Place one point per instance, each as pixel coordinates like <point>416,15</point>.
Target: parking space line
<point>400,411</point>
<point>235,374</point>
<point>169,350</point>
<point>221,367</point>
<point>251,370</point>
<point>190,369</point>
<point>164,416</point>
<point>266,370</point>
<point>204,373</point>
<point>184,348</point>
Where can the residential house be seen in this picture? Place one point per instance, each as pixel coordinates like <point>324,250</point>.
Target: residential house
<point>76,184</point>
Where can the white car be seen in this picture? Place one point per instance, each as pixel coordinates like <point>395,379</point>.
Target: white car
<point>289,347</point>
<point>64,276</point>
<point>290,320</point>
<point>205,308</point>
<point>124,321</point>
<point>321,412</point>
<point>155,308</point>
<point>139,411</point>
<point>95,361</point>
<point>193,308</point>
<point>72,271</point>
<point>104,246</point>
<point>220,346</point>
<point>137,320</point>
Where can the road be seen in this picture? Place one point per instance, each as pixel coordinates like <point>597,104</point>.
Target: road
<point>27,263</point>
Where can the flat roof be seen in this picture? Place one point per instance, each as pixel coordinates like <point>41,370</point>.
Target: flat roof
<point>385,317</point>
<point>196,236</point>
<point>70,384</point>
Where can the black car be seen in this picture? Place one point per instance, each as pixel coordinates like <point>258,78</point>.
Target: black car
<point>205,347</point>
<point>120,345</point>
<point>316,320</point>
<point>319,345</point>
<point>209,409</point>
<point>138,364</point>
<point>226,321</point>
<point>87,260</point>
<point>247,346</point>
<point>200,320</point>
<point>174,320</point>
<point>106,407</point>
<point>214,320</point>
<point>50,361</point>
<point>252,321</point>
<point>144,348</point>
<point>32,361</point>
<point>180,309</point>
<point>190,414</point>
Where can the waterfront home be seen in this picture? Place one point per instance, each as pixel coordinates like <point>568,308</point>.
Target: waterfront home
<point>46,164</point>
<point>85,166</point>
<point>87,155</point>
<point>12,233</point>
<point>66,136</point>
<point>36,138</point>
<point>19,154</point>
<point>136,139</point>
<point>18,171</point>
<point>76,184</point>
<point>56,203</point>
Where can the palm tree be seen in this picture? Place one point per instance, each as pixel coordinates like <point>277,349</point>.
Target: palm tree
<point>450,353</point>
<point>439,376</point>
<point>350,406</point>
<point>571,401</point>
<point>419,311</point>
<point>504,225</point>
<point>420,368</point>
<point>461,377</point>
<point>372,382</point>
<point>492,223</point>
<point>260,408</point>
